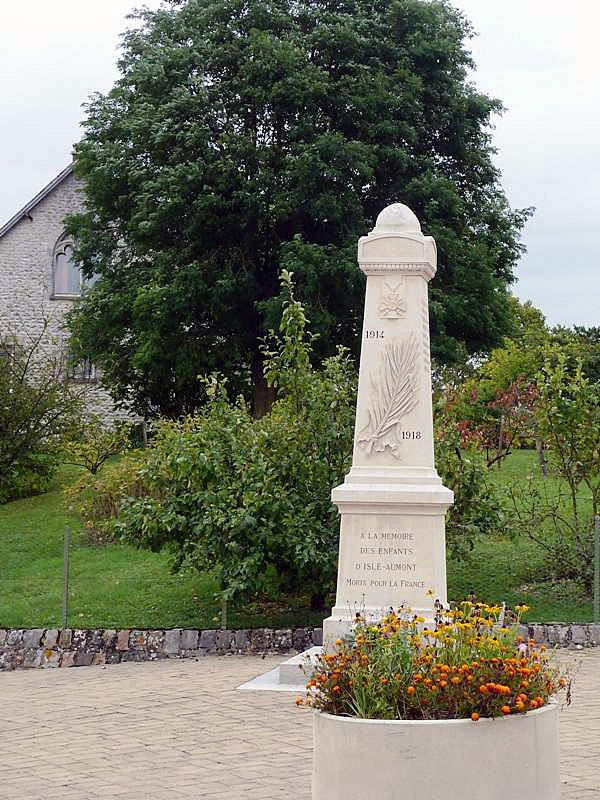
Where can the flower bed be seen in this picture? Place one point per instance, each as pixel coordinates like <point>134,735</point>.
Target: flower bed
<point>468,666</point>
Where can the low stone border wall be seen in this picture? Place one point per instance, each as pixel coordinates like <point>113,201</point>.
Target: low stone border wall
<point>562,635</point>
<point>79,648</point>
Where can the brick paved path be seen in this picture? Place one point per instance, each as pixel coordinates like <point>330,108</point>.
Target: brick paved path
<point>179,729</point>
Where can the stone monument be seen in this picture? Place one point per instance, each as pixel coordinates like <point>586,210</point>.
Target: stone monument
<point>392,502</point>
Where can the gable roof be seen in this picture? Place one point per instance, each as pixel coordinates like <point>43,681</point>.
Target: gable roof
<point>37,199</point>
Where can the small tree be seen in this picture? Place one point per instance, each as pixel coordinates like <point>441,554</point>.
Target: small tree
<point>568,419</point>
<point>476,509</point>
<point>93,443</point>
<point>38,405</point>
<point>560,519</point>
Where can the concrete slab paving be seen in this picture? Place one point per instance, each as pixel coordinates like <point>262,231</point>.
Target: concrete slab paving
<point>180,729</point>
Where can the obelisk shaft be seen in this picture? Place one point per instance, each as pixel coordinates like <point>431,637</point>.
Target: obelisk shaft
<point>392,503</point>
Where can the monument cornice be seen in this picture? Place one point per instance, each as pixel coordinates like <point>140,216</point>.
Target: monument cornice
<point>424,269</point>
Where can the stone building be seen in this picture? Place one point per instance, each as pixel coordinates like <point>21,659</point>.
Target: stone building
<point>39,281</point>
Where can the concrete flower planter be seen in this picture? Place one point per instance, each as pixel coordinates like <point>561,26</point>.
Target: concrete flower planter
<point>492,759</point>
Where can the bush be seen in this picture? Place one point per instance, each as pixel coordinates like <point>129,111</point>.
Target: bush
<point>560,518</point>
<point>245,498</point>
<point>98,498</point>
<point>469,666</point>
<point>29,475</point>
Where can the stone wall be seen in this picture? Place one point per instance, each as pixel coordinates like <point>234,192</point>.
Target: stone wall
<point>80,648</point>
<point>26,280</point>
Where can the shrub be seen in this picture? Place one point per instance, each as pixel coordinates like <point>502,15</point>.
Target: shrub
<point>469,666</point>
<point>38,406</point>
<point>98,498</point>
<point>244,497</point>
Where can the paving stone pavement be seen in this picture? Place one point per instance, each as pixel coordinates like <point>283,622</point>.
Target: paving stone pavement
<point>179,729</point>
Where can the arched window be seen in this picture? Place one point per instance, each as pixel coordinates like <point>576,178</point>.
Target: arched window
<point>67,275</point>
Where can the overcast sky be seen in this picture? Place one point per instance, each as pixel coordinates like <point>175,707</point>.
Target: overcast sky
<point>540,57</point>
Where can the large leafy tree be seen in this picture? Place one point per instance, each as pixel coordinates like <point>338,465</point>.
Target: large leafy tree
<point>247,136</point>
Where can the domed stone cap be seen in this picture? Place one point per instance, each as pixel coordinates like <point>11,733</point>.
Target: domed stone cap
<point>397,218</point>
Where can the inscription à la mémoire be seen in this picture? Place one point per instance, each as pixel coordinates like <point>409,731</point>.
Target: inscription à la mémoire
<point>381,568</point>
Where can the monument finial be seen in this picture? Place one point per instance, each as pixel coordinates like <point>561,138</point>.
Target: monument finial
<point>397,218</point>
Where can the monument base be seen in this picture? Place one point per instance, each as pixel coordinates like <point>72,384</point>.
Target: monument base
<point>290,676</point>
<point>392,546</point>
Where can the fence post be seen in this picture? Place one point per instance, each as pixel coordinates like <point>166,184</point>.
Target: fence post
<point>65,607</point>
<point>597,569</point>
<point>223,613</point>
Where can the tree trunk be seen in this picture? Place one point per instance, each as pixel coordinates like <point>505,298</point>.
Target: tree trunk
<point>539,446</point>
<point>317,601</point>
<point>500,442</point>
<point>264,396</point>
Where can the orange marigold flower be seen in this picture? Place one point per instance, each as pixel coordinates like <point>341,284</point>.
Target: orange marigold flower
<point>505,710</point>
<point>411,690</point>
<point>474,716</point>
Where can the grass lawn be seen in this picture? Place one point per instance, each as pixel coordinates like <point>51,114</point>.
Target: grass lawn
<point>116,586</point>
<point>113,586</point>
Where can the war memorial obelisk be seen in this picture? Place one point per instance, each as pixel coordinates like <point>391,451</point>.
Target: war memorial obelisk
<point>392,502</point>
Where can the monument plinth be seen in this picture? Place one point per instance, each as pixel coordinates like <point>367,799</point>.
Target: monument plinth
<point>392,502</point>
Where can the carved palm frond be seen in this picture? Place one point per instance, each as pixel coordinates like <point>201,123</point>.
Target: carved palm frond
<point>393,394</point>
